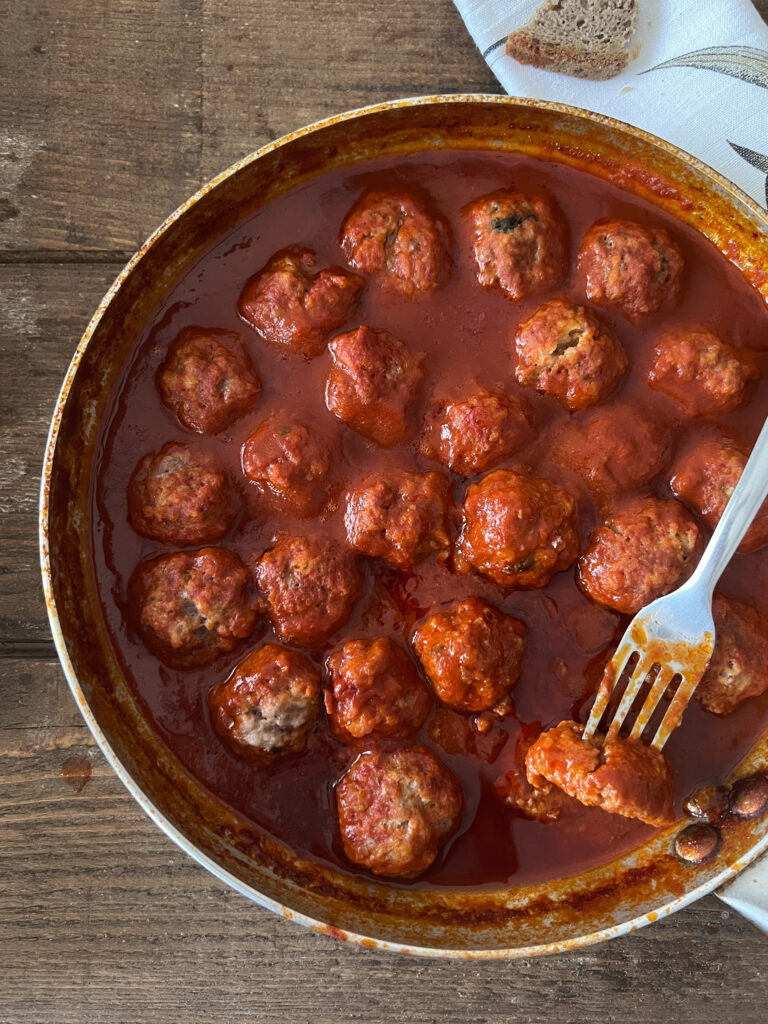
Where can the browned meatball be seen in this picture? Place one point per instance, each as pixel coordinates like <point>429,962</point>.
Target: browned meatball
<point>634,267</point>
<point>644,550</point>
<point>564,351</point>
<point>292,304</point>
<point>288,462</point>
<point>475,435</point>
<point>207,379</point>
<point>192,606</point>
<point>543,802</point>
<point>614,450</point>
<point>471,654</point>
<point>395,809</point>
<point>738,668</point>
<point>180,496</point>
<point>520,242</point>
<point>398,516</point>
<point>623,776</point>
<point>517,530</point>
<point>372,380</point>
<point>705,478</point>
<point>391,235</point>
<point>310,586</point>
<point>268,705</point>
<point>375,691</point>
<point>701,372</point>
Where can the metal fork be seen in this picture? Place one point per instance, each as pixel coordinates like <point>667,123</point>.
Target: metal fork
<point>675,635</point>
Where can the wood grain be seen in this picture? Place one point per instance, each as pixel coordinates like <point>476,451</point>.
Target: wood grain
<point>111,113</point>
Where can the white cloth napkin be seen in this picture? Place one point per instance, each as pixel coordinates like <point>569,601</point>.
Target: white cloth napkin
<point>697,76</point>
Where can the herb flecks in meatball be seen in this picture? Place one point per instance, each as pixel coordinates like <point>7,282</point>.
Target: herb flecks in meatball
<point>372,381</point>
<point>474,435</point>
<point>565,352</point>
<point>207,380</point>
<point>392,236</point>
<point>180,496</point>
<point>631,266</point>
<point>191,606</point>
<point>395,809</point>
<point>623,776</point>
<point>295,306</point>
<point>520,242</point>
<point>644,550</point>
<point>738,668</point>
<point>269,704</point>
<point>375,691</point>
<point>517,530</point>
<point>471,654</point>
<point>288,462</point>
<point>700,371</point>
<point>398,516</point>
<point>310,585</point>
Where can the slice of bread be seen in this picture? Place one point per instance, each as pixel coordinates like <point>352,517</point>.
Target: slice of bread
<point>584,38</point>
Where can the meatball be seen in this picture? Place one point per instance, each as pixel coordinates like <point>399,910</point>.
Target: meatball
<point>372,380</point>
<point>192,606</point>
<point>737,669</point>
<point>475,435</point>
<point>288,462</point>
<point>398,516</point>
<point>471,654</point>
<point>395,808</point>
<point>564,351</point>
<point>391,235</point>
<point>268,705</point>
<point>701,372</point>
<point>517,530</point>
<point>207,379</point>
<point>310,586</point>
<point>614,450</point>
<point>631,266</point>
<point>644,550</point>
<point>543,802</point>
<point>623,777</point>
<point>375,691</point>
<point>295,306</point>
<point>520,242</point>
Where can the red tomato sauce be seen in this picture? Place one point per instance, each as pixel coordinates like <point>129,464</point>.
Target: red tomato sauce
<point>466,335</point>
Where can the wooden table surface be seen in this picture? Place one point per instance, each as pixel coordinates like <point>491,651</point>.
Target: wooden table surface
<point>111,113</point>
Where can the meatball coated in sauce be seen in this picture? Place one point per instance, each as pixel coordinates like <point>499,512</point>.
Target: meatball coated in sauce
<point>623,776</point>
<point>375,691</point>
<point>565,352</point>
<point>517,530</point>
<point>644,550</point>
<point>705,478</point>
<point>398,516</point>
<point>738,668</point>
<point>288,462</point>
<point>295,306</point>
<point>700,371</point>
<point>520,242</point>
<point>180,496</point>
<point>191,606</point>
<point>310,585</point>
<point>392,236</point>
<point>395,809</point>
<point>543,802</point>
<point>474,435</point>
<point>471,654</point>
<point>207,380</point>
<point>634,267</point>
<point>268,705</point>
<point>373,379</point>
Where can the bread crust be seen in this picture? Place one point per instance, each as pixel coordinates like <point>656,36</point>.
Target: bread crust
<point>566,60</point>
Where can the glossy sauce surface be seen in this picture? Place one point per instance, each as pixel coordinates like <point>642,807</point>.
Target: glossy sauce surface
<point>465,333</point>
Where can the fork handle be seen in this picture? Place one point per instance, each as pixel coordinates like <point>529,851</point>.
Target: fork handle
<point>748,495</point>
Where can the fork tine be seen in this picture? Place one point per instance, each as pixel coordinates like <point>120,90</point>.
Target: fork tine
<point>663,678</point>
<point>674,712</point>
<point>613,673</point>
<point>636,680</point>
